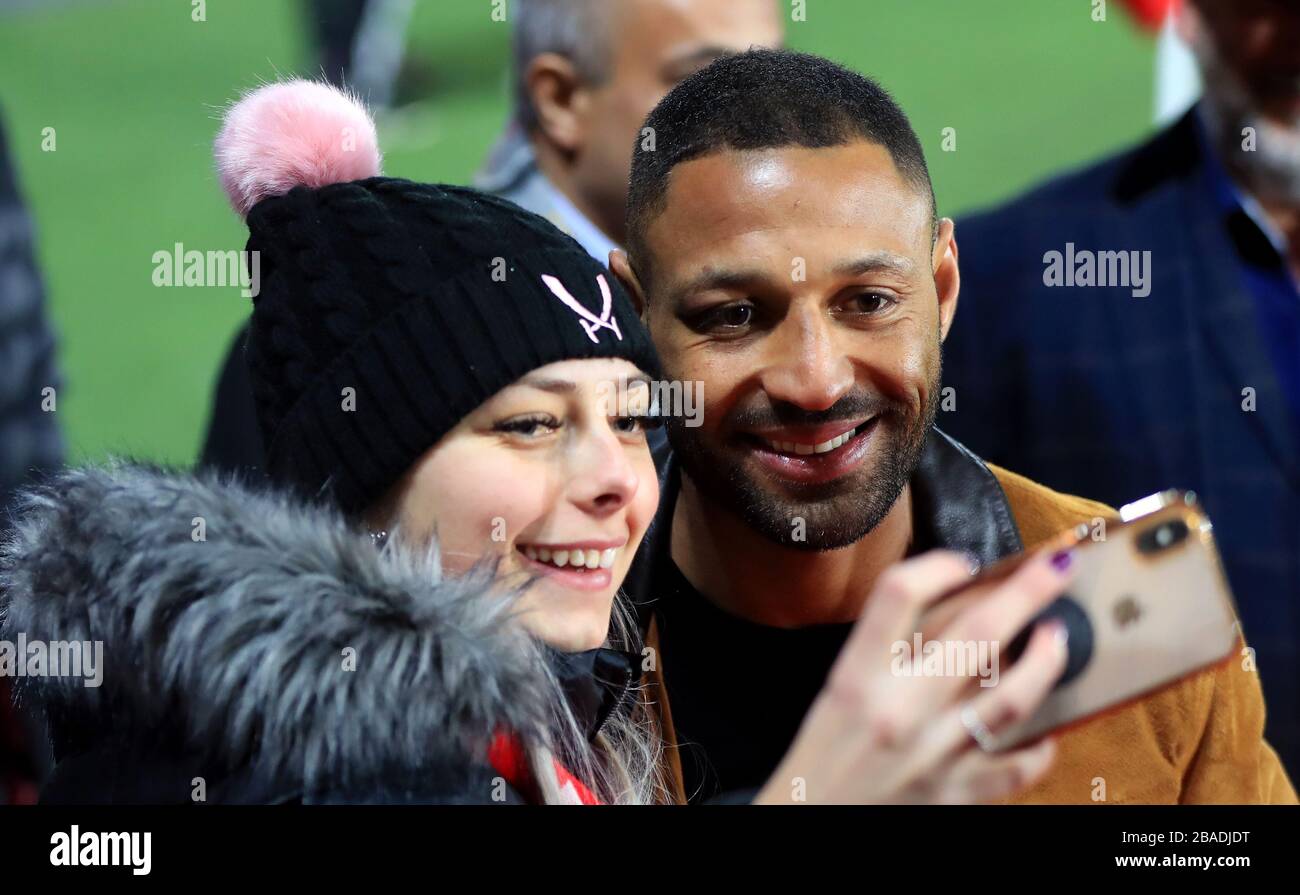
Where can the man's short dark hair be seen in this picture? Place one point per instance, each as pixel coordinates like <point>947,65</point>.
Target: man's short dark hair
<point>764,99</point>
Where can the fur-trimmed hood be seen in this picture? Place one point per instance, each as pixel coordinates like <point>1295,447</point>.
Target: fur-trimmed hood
<point>254,637</point>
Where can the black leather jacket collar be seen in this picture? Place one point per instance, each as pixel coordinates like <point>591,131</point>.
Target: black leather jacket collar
<point>957,504</point>
<point>596,683</point>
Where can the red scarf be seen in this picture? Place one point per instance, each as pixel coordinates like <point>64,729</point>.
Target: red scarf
<point>506,755</point>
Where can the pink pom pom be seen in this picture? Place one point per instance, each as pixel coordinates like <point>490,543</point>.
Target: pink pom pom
<point>298,133</point>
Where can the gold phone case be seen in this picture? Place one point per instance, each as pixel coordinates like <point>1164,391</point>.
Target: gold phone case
<point>1157,613</point>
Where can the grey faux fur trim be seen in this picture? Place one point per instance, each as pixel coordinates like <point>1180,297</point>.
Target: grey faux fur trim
<point>238,640</point>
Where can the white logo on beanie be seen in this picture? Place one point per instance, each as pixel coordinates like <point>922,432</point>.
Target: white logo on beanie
<point>589,322</point>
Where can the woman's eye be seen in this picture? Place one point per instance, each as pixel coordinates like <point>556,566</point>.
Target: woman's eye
<point>528,426</point>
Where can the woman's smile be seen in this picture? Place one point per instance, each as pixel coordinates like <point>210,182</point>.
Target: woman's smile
<point>583,565</point>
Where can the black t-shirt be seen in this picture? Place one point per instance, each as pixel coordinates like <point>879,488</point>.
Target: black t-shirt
<point>737,690</point>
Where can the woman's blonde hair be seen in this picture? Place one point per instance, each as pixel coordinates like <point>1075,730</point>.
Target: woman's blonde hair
<point>621,765</point>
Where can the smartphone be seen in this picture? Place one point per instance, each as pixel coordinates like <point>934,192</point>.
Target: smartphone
<point>1149,606</point>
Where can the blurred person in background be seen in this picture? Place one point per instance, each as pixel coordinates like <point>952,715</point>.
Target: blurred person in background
<point>584,74</point>
<point>30,441</point>
<point>360,44</point>
<point>1182,369</point>
<point>334,25</point>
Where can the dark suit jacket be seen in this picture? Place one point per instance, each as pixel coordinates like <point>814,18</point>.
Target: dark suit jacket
<point>1096,392</point>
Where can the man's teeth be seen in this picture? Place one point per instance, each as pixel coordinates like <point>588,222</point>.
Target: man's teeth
<point>585,559</point>
<point>794,447</point>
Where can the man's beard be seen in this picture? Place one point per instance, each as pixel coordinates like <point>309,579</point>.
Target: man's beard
<point>1272,168</point>
<point>822,516</point>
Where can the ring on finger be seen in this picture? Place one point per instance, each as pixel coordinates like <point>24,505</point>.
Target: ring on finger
<point>978,730</point>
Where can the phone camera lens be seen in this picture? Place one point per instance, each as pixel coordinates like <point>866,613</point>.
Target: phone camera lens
<point>1163,536</point>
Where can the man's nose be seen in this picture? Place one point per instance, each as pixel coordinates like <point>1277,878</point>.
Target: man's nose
<point>805,366</point>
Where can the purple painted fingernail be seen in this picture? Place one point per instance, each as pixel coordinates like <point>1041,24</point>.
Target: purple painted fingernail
<point>1062,559</point>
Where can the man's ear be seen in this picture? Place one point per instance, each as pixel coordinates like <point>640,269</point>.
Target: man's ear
<point>559,98</point>
<point>621,267</point>
<point>947,278</point>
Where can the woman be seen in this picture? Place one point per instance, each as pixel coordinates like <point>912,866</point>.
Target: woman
<point>424,607</point>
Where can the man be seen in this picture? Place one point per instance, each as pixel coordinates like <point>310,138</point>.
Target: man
<point>585,74</point>
<point>1179,364</point>
<point>783,243</point>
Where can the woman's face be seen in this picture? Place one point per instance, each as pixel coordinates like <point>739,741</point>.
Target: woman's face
<point>554,476</point>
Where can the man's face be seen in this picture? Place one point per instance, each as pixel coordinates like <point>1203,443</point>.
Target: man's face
<point>654,45</point>
<point>1259,42</point>
<point>1247,50</point>
<point>804,289</point>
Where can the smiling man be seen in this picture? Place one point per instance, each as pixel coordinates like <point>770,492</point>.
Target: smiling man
<point>784,246</point>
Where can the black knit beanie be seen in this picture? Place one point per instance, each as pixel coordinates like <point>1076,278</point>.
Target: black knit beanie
<point>388,310</point>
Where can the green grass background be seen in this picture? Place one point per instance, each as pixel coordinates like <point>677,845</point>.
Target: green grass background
<point>133,90</point>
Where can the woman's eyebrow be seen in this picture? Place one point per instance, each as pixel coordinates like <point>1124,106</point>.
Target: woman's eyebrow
<point>568,386</point>
<point>555,386</point>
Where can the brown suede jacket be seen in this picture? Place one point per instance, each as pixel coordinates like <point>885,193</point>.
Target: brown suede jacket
<point>1196,741</point>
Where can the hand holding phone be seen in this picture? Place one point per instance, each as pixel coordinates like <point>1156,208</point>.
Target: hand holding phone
<point>878,734</point>
<point>1149,606</point>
